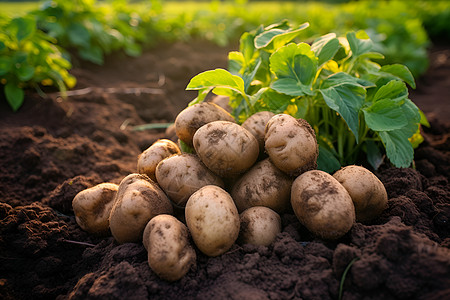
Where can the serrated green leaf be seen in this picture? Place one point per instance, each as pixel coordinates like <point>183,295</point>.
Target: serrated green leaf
<point>79,35</point>
<point>275,38</point>
<point>217,78</point>
<point>400,71</point>
<point>359,45</point>
<point>385,115</point>
<point>25,72</point>
<point>325,47</point>
<point>273,101</point>
<point>327,161</point>
<point>394,90</point>
<point>290,86</point>
<point>14,96</point>
<point>398,148</point>
<point>411,112</point>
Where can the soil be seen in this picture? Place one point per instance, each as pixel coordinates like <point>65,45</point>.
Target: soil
<point>52,148</point>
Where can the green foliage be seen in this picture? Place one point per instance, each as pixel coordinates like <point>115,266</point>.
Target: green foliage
<point>355,105</point>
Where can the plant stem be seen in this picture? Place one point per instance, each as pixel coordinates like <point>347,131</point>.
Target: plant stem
<point>341,286</point>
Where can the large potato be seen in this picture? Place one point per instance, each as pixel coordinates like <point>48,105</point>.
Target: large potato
<point>150,158</point>
<point>263,185</point>
<point>212,219</point>
<point>367,191</point>
<point>92,207</point>
<point>291,144</point>
<point>170,254</point>
<point>137,201</point>
<point>226,148</point>
<point>322,204</point>
<point>193,117</point>
<point>181,175</point>
<point>259,226</point>
<point>256,124</point>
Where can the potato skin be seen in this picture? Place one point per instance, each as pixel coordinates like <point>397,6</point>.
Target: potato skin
<point>182,175</point>
<point>193,117</point>
<point>170,254</point>
<point>259,226</point>
<point>92,207</point>
<point>256,124</point>
<point>212,219</point>
<point>150,158</point>
<point>226,148</point>
<point>367,191</point>
<point>263,185</point>
<point>322,204</point>
<point>291,144</point>
<point>138,200</point>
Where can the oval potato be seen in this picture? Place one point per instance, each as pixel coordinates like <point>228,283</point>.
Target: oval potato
<point>150,158</point>
<point>256,124</point>
<point>259,226</point>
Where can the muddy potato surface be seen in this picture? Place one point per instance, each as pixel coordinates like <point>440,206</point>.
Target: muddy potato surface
<point>322,204</point>
<point>92,207</point>
<point>182,175</point>
<point>291,144</point>
<point>226,148</point>
<point>138,200</point>
<point>367,191</point>
<point>213,220</point>
<point>259,226</point>
<point>150,158</point>
<point>193,117</point>
<point>170,254</point>
<point>256,124</point>
<point>263,185</point>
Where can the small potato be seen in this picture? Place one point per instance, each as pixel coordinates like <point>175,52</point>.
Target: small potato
<point>222,101</point>
<point>367,191</point>
<point>263,185</point>
<point>259,226</point>
<point>193,117</point>
<point>291,144</point>
<point>92,207</point>
<point>182,175</point>
<point>170,254</point>
<point>226,148</point>
<point>322,204</point>
<point>256,124</point>
<point>137,201</point>
<point>150,158</point>
<point>212,219</point>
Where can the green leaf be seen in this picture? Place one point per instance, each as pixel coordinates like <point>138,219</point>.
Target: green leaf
<point>327,161</point>
<point>217,78</point>
<point>22,27</point>
<point>14,96</point>
<point>290,86</point>
<point>325,47</point>
<point>275,38</point>
<point>398,148</point>
<point>359,43</point>
<point>401,72</point>
<point>394,90</point>
<point>385,115</point>
<point>5,65</point>
<point>249,76</point>
<point>25,72</point>
<point>342,78</point>
<point>247,46</point>
<point>412,114</point>
<point>93,54</point>
<point>423,119</point>
<point>374,155</point>
<point>236,61</point>
<point>79,35</point>
<point>2,46</point>
<point>273,101</point>
<point>133,49</point>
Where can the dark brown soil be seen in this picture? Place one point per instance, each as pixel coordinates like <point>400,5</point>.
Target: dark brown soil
<point>53,148</point>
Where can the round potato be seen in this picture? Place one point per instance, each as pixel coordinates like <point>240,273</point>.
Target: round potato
<point>291,144</point>
<point>182,175</point>
<point>150,158</point>
<point>195,116</point>
<point>92,207</point>
<point>367,191</point>
<point>222,101</point>
<point>259,226</point>
<point>212,219</point>
<point>170,254</point>
<point>322,204</point>
<point>263,185</point>
<point>226,148</point>
<point>138,200</point>
<point>256,124</point>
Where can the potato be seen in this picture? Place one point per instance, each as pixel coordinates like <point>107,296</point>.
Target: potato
<point>259,226</point>
<point>150,158</point>
<point>256,124</point>
<point>170,254</point>
<point>291,144</point>
<point>322,204</point>
<point>92,207</point>
<point>137,201</point>
<point>367,191</point>
<point>222,101</point>
<point>193,117</point>
<point>226,148</point>
<point>212,219</point>
<point>263,185</point>
<point>182,175</point>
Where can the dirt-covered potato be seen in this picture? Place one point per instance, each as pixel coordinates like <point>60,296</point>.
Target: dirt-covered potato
<point>170,254</point>
<point>263,185</point>
<point>367,191</point>
<point>322,204</point>
<point>182,175</point>
<point>222,101</point>
<point>150,158</point>
<point>226,148</point>
<point>256,124</point>
<point>212,219</point>
<point>138,200</point>
<point>259,226</point>
<point>195,116</point>
<point>92,207</point>
<point>291,144</point>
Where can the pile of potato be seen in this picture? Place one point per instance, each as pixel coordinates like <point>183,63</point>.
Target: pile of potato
<point>233,189</point>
